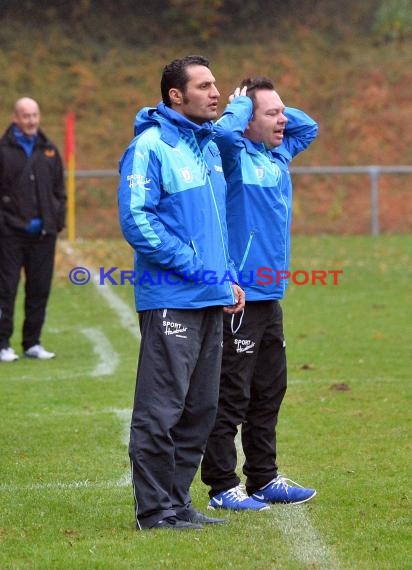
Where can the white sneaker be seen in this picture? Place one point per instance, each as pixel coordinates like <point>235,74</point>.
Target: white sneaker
<point>8,355</point>
<point>37,351</point>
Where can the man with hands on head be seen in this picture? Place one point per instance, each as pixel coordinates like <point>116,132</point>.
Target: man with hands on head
<point>257,137</point>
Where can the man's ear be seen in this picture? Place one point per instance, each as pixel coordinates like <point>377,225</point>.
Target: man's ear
<point>176,96</point>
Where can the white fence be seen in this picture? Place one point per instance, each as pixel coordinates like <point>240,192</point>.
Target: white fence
<point>374,173</point>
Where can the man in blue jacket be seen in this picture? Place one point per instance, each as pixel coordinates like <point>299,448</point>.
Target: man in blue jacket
<point>172,212</point>
<point>257,137</point>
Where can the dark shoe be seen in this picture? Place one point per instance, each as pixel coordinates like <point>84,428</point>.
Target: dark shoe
<point>190,515</point>
<point>173,523</point>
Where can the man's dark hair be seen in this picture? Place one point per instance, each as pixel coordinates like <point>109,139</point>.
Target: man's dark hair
<point>175,75</point>
<point>256,84</point>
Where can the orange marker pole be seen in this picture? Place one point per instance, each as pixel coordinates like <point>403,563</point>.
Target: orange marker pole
<point>71,186</point>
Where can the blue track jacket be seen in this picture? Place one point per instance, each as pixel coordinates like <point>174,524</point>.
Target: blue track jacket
<point>171,199</point>
<point>259,203</point>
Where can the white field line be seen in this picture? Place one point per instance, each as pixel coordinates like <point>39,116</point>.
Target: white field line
<point>304,541</point>
<point>122,482</point>
<point>127,316</point>
<point>50,378</point>
<point>124,416</point>
<point>108,358</point>
<point>128,319</point>
<point>59,375</point>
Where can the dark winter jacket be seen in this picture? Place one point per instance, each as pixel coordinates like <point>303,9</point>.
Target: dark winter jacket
<point>31,187</point>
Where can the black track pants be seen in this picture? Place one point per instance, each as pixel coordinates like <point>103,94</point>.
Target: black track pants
<point>35,254</point>
<point>252,387</point>
<point>175,406</point>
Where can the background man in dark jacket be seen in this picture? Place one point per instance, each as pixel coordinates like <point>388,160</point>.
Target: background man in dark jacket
<point>32,212</point>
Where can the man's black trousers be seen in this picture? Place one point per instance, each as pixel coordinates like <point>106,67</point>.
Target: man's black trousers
<point>252,386</point>
<point>34,254</point>
<point>175,404</point>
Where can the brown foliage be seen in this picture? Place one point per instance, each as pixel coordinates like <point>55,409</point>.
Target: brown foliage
<point>359,92</point>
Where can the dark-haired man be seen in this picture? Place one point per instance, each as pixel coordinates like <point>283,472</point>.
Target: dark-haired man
<point>257,137</point>
<point>172,212</point>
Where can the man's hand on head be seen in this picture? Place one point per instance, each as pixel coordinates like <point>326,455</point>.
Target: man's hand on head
<point>238,92</point>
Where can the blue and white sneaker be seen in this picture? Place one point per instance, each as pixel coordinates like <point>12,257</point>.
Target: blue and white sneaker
<point>278,491</point>
<point>235,499</point>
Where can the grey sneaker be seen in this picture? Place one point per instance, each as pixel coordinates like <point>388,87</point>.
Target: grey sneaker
<point>8,355</point>
<point>37,351</point>
<point>193,516</point>
<point>173,523</point>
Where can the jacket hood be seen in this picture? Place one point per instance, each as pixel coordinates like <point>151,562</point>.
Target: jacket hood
<point>170,122</point>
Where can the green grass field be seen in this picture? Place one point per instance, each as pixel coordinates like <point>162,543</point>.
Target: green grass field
<point>66,501</point>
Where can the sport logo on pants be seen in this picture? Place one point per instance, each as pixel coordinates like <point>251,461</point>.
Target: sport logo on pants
<point>174,328</point>
<point>244,345</point>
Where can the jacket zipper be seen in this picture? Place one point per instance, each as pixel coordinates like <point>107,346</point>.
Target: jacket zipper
<point>285,238</point>
<point>221,235</point>
<point>192,243</point>
<point>217,213</point>
<point>245,255</point>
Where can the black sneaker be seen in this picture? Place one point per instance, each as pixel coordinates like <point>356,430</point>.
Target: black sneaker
<point>193,516</point>
<point>173,523</point>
